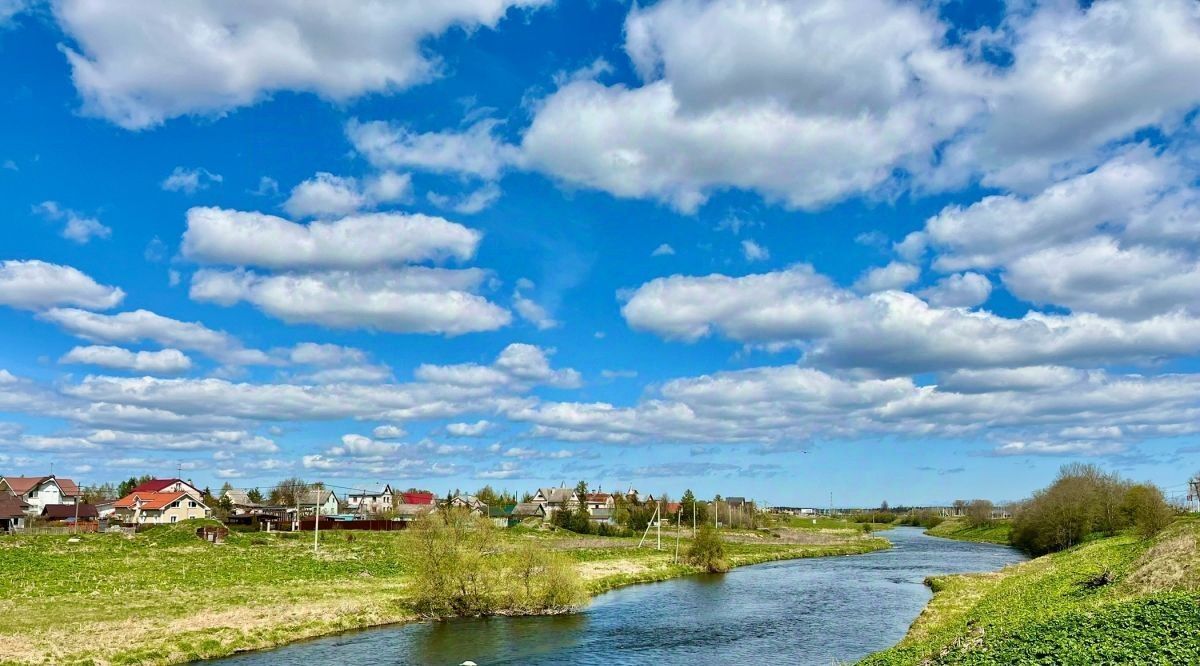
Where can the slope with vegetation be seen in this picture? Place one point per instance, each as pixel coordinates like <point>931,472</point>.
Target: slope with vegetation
<point>995,531</point>
<point>1120,583</point>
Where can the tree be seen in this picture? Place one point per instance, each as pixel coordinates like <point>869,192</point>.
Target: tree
<point>1082,500</point>
<point>979,513</point>
<point>708,551</point>
<point>255,495</point>
<point>132,482</point>
<point>693,512</point>
<point>287,491</point>
<point>883,506</point>
<point>1146,509</point>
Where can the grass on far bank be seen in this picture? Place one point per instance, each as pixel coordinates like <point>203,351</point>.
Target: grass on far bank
<point>827,523</point>
<point>1063,609</point>
<point>165,597</point>
<point>997,531</point>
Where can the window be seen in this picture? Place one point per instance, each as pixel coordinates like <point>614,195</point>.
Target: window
<point>174,518</point>
<point>32,494</point>
<point>192,504</point>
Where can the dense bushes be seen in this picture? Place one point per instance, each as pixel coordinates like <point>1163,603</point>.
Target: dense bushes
<point>924,518</point>
<point>708,551</point>
<point>873,517</point>
<point>1083,501</point>
<point>462,571</point>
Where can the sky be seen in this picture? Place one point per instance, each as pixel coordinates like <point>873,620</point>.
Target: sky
<point>841,250</point>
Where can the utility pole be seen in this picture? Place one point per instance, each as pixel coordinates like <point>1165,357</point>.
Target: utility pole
<point>78,496</point>
<point>658,525</point>
<point>316,519</point>
<point>678,518</point>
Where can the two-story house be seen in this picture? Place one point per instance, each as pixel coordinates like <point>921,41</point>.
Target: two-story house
<point>38,491</point>
<point>371,501</point>
<point>554,500</point>
<point>156,508</point>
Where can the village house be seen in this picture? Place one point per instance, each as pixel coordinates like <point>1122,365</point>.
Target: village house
<point>418,497</point>
<point>554,500</point>
<point>241,502</point>
<point>67,513</point>
<point>370,501</point>
<point>526,510</point>
<point>324,502</point>
<point>407,513</point>
<point>501,514</point>
<point>469,502</point>
<point>13,512</point>
<point>165,486</point>
<point>156,508</point>
<point>38,491</point>
<point>600,500</point>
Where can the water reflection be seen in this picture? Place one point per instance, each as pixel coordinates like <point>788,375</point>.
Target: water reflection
<point>815,611</point>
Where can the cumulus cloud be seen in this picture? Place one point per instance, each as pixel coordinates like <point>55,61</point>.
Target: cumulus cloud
<point>142,325</point>
<point>960,290</point>
<point>221,236</point>
<point>663,250</point>
<point>402,300</point>
<point>752,251</point>
<point>189,181</point>
<point>37,285</point>
<point>477,151</point>
<point>77,227</point>
<point>530,310</point>
<point>468,429</point>
<point>326,195</point>
<point>890,331</point>
<point>470,203</point>
<point>140,65</point>
<point>517,364</point>
<point>166,361</point>
<point>896,275</point>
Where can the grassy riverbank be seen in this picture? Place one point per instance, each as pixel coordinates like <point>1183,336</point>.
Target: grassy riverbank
<point>165,597</point>
<point>1113,600</point>
<point>957,528</point>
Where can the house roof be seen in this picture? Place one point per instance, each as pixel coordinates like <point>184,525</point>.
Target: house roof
<point>673,507</point>
<point>151,501</point>
<point>240,498</point>
<point>23,484</point>
<point>528,509</point>
<point>598,497</point>
<point>378,492</point>
<point>420,497</point>
<point>557,495</point>
<point>67,511</point>
<point>503,511</point>
<point>12,506</point>
<point>155,485</point>
<point>412,510</point>
<point>321,497</point>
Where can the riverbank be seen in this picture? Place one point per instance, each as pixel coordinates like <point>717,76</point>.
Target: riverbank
<point>165,597</point>
<point>1113,600</point>
<point>996,532</point>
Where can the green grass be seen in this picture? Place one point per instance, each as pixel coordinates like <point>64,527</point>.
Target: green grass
<point>827,523</point>
<point>957,528</point>
<point>1041,611</point>
<point>165,597</point>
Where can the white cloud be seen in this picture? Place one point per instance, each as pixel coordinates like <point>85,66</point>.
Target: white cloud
<point>890,331</point>
<point>663,250</point>
<point>754,252</point>
<point>475,429</point>
<point>896,275</point>
<point>326,195</point>
<point>140,65</point>
<point>36,285</point>
<point>530,310</point>
<point>78,228</point>
<point>517,364</point>
<point>403,300</point>
<point>476,151</point>
<point>961,290</point>
<point>190,181</point>
<point>388,432</point>
<point>142,325</point>
<point>166,361</point>
<point>362,241</point>
<point>471,203</point>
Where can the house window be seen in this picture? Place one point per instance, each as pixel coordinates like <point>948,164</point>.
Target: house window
<point>174,518</point>
<point>32,494</point>
<point>191,504</point>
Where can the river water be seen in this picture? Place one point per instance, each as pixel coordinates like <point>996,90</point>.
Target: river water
<point>814,611</point>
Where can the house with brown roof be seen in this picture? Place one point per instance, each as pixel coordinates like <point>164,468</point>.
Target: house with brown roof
<point>556,499</point>
<point>599,500</point>
<point>13,512</point>
<point>155,508</point>
<point>38,491</point>
<point>67,513</point>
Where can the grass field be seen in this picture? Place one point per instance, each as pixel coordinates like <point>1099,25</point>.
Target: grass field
<point>165,597</point>
<point>1044,611</point>
<point>957,528</point>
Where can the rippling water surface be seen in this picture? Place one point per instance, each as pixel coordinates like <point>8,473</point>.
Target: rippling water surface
<point>815,611</point>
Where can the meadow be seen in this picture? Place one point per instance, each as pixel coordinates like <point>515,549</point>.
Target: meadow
<point>1119,599</point>
<point>166,597</point>
<point>997,531</point>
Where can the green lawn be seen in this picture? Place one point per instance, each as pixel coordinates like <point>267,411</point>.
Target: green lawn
<point>166,597</point>
<point>1043,611</point>
<point>957,528</point>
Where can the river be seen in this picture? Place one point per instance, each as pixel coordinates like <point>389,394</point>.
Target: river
<point>813,611</point>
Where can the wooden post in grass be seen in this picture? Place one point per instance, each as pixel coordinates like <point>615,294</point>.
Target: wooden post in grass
<point>317,519</point>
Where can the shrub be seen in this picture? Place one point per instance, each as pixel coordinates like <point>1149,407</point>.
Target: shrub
<point>1081,501</point>
<point>708,551</point>
<point>923,518</point>
<point>979,513</point>
<point>1145,507</point>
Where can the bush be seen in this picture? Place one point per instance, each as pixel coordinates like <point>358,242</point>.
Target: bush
<point>1082,501</point>
<point>708,551</point>
<point>924,518</point>
<point>979,513</point>
<point>461,571</point>
<point>1145,507</point>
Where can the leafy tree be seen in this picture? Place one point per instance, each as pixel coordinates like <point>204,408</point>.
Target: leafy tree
<point>1146,509</point>
<point>286,492</point>
<point>708,551</point>
<point>255,495</point>
<point>883,506</point>
<point>132,482</point>
<point>979,513</point>
<point>102,493</point>
<point>693,511</point>
<point>1083,500</point>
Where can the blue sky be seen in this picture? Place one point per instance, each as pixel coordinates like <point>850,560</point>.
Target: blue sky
<point>892,251</point>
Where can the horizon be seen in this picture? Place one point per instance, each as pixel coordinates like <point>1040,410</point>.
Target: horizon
<point>890,252</point>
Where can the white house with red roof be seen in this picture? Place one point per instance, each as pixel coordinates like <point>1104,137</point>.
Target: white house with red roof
<point>166,486</point>
<point>38,491</point>
<point>156,508</point>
